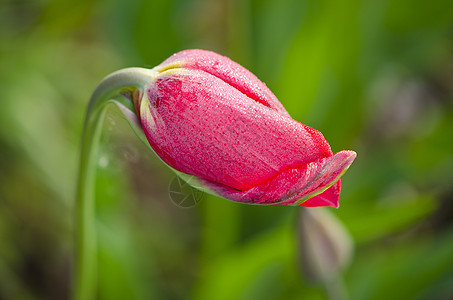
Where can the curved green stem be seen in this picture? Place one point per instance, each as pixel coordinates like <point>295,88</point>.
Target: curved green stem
<point>127,80</point>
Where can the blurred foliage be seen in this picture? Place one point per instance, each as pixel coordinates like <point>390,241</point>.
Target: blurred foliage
<point>373,76</point>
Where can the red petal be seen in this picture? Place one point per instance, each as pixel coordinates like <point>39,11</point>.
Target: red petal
<point>202,126</point>
<point>228,71</point>
<point>327,198</point>
<point>318,179</point>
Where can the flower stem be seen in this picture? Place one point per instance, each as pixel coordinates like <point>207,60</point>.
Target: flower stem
<point>336,289</point>
<point>130,79</point>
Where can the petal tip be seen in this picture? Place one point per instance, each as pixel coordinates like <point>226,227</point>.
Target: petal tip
<point>349,155</point>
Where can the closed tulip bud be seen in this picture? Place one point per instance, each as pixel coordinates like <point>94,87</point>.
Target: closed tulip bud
<point>207,116</point>
<point>325,245</point>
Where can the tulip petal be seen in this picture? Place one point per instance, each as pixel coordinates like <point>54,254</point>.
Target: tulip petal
<point>202,126</point>
<point>327,198</point>
<point>226,70</point>
<point>295,186</point>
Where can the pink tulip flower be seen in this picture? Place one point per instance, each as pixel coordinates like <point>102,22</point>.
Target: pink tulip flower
<point>207,116</point>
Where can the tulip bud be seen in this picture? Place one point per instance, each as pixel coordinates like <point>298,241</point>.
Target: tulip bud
<point>325,245</point>
<point>207,116</point>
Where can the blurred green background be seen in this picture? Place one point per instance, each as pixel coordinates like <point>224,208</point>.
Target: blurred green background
<point>374,76</point>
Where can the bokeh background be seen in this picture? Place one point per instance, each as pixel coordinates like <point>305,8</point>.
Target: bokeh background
<point>374,76</point>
